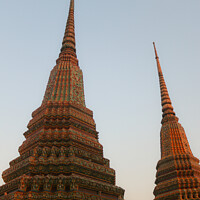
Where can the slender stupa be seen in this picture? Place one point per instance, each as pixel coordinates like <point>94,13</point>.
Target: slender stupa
<point>61,157</point>
<point>178,171</point>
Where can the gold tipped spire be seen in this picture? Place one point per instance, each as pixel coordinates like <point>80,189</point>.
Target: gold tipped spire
<point>69,44</point>
<point>167,107</point>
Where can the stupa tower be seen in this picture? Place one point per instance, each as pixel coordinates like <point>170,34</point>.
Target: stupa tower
<point>178,171</point>
<point>61,157</point>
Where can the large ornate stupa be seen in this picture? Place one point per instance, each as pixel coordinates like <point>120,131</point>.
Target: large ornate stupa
<point>178,171</point>
<point>61,157</point>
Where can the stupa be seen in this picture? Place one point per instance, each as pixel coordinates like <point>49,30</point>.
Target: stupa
<point>178,171</point>
<point>61,157</point>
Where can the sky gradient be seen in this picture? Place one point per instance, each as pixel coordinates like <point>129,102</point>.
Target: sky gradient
<point>114,47</point>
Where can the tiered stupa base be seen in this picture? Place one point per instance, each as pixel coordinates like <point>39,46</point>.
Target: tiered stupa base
<point>178,178</point>
<point>60,187</point>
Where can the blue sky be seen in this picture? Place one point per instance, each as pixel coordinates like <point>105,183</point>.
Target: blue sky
<point>115,51</point>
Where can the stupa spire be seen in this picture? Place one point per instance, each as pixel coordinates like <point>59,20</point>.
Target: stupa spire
<point>178,171</point>
<point>66,79</point>
<point>69,43</point>
<point>166,103</point>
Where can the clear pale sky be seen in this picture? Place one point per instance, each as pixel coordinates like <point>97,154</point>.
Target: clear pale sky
<point>114,47</point>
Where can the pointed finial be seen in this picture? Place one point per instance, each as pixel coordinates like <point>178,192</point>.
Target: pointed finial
<point>157,59</point>
<point>167,107</point>
<point>69,44</point>
<point>155,50</point>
